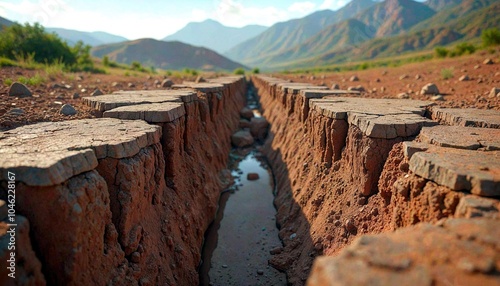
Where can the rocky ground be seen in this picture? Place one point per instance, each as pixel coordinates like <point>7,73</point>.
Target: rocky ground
<point>48,97</point>
<point>400,82</point>
<point>471,80</point>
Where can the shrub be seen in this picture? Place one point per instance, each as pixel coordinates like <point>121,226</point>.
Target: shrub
<point>256,70</point>
<point>447,73</point>
<point>22,41</point>
<point>105,61</point>
<point>239,71</point>
<point>465,48</point>
<point>441,52</point>
<point>491,37</point>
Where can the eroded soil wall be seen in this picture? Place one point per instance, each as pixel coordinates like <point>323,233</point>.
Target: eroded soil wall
<point>138,212</point>
<point>335,182</point>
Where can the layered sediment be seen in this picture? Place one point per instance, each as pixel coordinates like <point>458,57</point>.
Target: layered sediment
<point>124,199</point>
<point>347,167</point>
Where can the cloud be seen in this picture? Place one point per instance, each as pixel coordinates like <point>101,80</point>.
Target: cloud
<point>302,7</point>
<point>333,4</point>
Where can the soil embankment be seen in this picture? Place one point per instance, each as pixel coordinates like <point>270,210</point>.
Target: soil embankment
<point>346,167</point>
<point>127,199</point>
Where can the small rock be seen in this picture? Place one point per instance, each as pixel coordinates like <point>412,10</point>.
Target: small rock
<point>67,110</point>
<point>312,77</point>
<point>350,227</point>
<point>377,80</point>
<point>96,92</point>
<point>417,77</point>
<point>438,98</point>
<point>60,96</point>
<point>405,76</point>
<point>477,67</point>
<point>488,62</point>
<point>252,176</point>
<point>335,86</point>
<point>224,265</point>
<point>293,235</point>
<point>464,78</point>
<point>494,92</point>
<point>246,113</point>
<point>356,88</point>
<point>200,79</point>
<point>167,83</point>
<point>429,88</point>
<point>75,95</point>
<point>130,84</point>
<point>83,90</point>
<point>19,90</point>
<point>403,95</point>
<point>16,111</point>
<point>354,78</point>
<point>115,84</point>
<point>260,272</point>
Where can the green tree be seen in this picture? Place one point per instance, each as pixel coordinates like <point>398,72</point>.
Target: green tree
<point>256,70</point>
<point>239,71</point>
<point>22,41</point>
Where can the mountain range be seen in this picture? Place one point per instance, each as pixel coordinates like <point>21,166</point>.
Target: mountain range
<point>165,55</point>
<point>89,38</point>
<point>213,35</point>
<point>369,30</point>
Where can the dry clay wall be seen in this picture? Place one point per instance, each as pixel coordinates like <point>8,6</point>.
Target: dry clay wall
<point>124,199</point>
<point>350,167</point>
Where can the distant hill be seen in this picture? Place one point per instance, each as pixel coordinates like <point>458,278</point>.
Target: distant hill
<point>89,38</point>
<point>166,55</point>
<point>215,36</point>
<point>285,35</point>
<point>5,23</point>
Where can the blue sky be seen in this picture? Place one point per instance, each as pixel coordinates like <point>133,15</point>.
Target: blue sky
<point>156,19</point>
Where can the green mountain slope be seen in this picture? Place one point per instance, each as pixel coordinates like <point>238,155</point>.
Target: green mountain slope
<point>165,55</point>
<point>5,23</point>
<point>284,35</point>
<point>438,5</point>
<point>467,27</point>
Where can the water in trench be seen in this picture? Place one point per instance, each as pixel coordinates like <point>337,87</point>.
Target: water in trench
<point>238,243</point>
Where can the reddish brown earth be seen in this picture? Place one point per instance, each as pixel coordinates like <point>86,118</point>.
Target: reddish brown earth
<point>386,82</point>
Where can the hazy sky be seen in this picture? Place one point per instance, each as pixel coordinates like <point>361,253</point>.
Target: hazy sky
<point>156,19</point>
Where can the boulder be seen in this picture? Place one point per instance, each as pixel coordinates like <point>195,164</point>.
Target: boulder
<point>494,92</point>
<point>244,123</point>
<point>67,110</point>
<point>246,113</point>
<point>258,127</point>
<point>96,92</point>
<point>429,88</point>
<point>167,83</point>
<point>242,138</point>
<point>19,90</point>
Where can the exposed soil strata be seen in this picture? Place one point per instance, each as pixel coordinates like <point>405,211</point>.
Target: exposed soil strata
<point>342,171</point>
<point>125,202</point>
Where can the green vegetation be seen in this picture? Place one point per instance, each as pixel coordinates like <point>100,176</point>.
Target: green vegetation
<point>35,80</point>
<point>256,71</point>
<point>491,37</point>
<point>464,48</point>
<point>31,47</point>
<point>239,71</point>
<point>447,73</point>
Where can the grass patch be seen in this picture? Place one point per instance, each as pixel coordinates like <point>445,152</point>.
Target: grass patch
<point>35,80</point>
<point>447,73</point>
<point>8,81</point>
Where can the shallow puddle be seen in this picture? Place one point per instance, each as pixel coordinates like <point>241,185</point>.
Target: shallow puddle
<point>237,244</point>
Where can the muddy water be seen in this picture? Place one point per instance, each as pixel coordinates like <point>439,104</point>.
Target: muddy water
<point>237,244</point>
